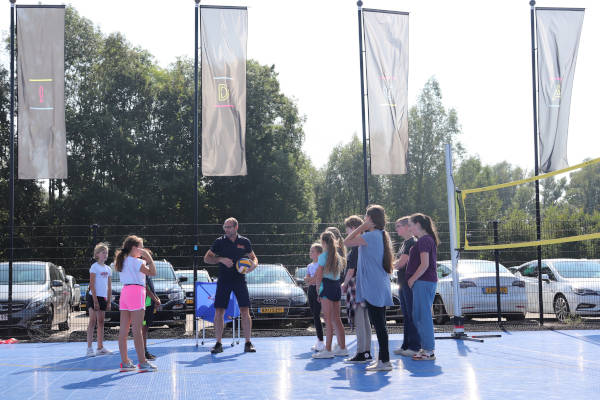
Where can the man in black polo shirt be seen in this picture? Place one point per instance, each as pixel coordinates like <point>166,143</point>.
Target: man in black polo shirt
<point>226,251</point>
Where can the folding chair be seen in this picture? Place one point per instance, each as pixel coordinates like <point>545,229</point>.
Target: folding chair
<point>205,310</point>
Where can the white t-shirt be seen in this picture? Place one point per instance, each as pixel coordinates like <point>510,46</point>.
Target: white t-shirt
<point>131,274</point>
<point>102,274</point>
<point>311,269</point>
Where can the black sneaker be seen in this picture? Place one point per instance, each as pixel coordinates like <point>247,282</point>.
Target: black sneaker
<point>218,348</point>
<point>359,358</point>
<point>249,348</point>
<point>150,356</point>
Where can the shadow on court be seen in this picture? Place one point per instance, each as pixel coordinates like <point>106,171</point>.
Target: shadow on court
<point>360,380</point>
<point>102,381</point>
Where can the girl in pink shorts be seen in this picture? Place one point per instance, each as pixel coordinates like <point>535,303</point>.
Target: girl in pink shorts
<point>133,263</point>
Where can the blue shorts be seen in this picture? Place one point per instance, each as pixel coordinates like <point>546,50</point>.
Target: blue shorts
<point>331,290</point>
<point>224,289</point>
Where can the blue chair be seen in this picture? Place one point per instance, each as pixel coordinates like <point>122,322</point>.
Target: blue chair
<point>205,309</point>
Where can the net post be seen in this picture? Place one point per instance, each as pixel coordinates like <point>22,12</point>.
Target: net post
<point>497,259</point>
<point>454,252</point>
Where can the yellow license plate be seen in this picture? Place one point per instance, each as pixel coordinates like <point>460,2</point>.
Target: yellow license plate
<point>189,301</point>
<point>492,290</point>
<point>270,310</point>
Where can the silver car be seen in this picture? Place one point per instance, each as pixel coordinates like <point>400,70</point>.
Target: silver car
<point>477,291</point>
<point>75,292</point>
<point>40,296</point>
<point>569,286</point>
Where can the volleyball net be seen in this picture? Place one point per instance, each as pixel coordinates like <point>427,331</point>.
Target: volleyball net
<point>512,205</point>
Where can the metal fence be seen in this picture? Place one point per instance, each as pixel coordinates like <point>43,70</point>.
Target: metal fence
<point>51,272</point>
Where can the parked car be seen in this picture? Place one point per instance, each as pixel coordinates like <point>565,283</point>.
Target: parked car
<point>172,297</point>
<point>300,275</point>
<point>477,288</point>
<point>186,278</point>
<point>83,288</point>
<point>570,286</point>
<point>75,292</point>
<point>275,295</point>
<point>40,297</point>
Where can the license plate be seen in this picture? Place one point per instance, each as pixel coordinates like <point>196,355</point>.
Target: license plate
<point>492,290</point>
<point>270,310</point>
<point>3,317</point>
<point>189,301</point>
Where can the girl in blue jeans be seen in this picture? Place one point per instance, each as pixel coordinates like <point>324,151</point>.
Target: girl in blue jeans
<point>421,274</point>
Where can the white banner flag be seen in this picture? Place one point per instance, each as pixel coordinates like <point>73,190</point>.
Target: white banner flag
<point>224,33</point>
<point>386,53</point>
<point>41,75</point>
<point>558,32</point>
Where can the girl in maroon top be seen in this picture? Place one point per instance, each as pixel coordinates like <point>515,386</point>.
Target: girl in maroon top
<point>421,274</point>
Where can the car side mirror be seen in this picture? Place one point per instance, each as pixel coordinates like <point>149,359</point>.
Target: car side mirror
<point>56,283</point>
<point>546,278</point>
<point>182,279</point>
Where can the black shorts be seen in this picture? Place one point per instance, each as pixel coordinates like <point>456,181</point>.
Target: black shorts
<point>90,302</point>
<point>149,314</point>
<point>332,290</point>
<point>224,289</point>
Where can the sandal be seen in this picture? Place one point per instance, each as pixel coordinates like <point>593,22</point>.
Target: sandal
<point>423,355</point>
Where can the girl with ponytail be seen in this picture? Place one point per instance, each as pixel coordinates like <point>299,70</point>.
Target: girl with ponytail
<point>373,288</point>
<point>421,274</point>
<point>327,279</point>
<point>134,263</point>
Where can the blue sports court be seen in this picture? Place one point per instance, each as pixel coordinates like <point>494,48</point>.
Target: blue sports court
<point>519,365</point>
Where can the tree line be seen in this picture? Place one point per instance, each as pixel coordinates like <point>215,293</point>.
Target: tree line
<point>130,147</point>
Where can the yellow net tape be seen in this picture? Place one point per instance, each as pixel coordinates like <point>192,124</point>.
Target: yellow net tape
<point>464,193</point>
<point>532,179</point>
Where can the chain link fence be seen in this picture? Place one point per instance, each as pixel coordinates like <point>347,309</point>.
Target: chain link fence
<point>51,274</point>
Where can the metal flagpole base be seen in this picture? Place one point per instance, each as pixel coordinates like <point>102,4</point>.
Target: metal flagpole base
<point>459,333</point>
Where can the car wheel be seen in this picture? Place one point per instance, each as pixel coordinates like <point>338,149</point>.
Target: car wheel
<point>64,326</point>
<point>440,316</point>
<point>561,308</point>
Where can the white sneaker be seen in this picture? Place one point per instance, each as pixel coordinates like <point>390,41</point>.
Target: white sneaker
<point>90,352</point>
<point>324,354</point>
<point>339,352</point>
<point>374,362</point>
<point>147,367</point>
<point>319,346</point>
<point>405,352</point>
<point>380,366</point>
<point>103,351</point>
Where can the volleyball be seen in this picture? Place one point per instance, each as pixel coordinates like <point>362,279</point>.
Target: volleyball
<point>243,265</point>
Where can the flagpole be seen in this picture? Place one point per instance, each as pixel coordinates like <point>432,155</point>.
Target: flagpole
<point>362,103</point>
<point>12,162</point>
<point>196,237</point>
<point>538,220</point>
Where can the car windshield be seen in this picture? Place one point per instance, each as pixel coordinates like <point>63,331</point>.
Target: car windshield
<point>479,267</point>
<point>164,272</point>
<point>24,274</point>
<point>578,269</point>
<point>201,277</point>
<point>269,274</point>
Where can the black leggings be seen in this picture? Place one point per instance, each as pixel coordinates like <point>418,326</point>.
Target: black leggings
<point>315,307</point>
<point>377,317</point>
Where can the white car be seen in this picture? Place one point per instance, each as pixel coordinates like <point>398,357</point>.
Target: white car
<point>477,290</point>
<point>569,286</point>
